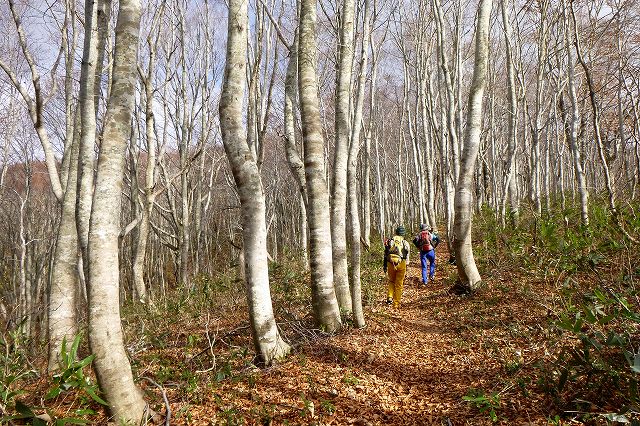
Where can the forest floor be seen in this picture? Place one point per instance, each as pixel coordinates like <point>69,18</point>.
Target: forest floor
<point>408,366</point>
<point>416,365</point>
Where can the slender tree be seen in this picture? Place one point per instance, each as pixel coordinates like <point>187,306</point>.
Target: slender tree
<point>510,190</point>
<point>266,338</point>
<point>111,362</point>
<point>325,305</point>
<point>572,119</point>
<point>465,262</point>
<point>341,156</point>
<point>352,171</point>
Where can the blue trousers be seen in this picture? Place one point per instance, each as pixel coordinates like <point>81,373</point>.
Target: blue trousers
<point>431,257</point>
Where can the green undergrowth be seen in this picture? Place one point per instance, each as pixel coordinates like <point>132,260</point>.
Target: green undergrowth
<point>588,280</point>
<point>73,379</point>
<point>195,340</point>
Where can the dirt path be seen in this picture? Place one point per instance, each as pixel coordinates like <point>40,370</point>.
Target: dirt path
<point>410,366</point>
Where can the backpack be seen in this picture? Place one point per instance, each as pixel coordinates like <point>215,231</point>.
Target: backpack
<point>396,247</point>
<point>426,241</point>
<point>435,240</point>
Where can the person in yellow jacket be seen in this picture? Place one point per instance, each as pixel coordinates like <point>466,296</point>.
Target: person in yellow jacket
<point>396,255</point>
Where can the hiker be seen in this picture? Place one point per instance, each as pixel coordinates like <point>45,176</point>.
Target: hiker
<point>396,253</point>
<point>426,241</point>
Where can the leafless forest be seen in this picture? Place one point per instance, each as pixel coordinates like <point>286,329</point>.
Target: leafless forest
<point>149,149</point>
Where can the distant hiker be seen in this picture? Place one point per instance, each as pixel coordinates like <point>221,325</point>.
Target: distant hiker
<point>396,253</point>
<point>426,241</point>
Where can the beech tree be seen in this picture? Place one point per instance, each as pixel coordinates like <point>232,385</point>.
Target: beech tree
<point>341,155</point>
<point>467,270</point>
<point>572,118</point>
<point>111,362</point>
<point>510,191</point>
<point>325,305</point>
<point>62,319</point>
<point>266,338</point>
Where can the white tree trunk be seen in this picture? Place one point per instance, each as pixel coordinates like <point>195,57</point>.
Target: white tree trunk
<point>339,188</point>
<point>111,362</point>
<point>88,103</point>
<point>465,262</point>
<point>573,121</point>
<point>294,161</point>
<point>266,338</point>
<point>325,304</point>
<point>510,191</point>
<point>62,320</point>
<point>352,175</point>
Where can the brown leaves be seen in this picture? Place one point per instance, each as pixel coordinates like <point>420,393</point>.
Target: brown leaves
<point>407,367</point>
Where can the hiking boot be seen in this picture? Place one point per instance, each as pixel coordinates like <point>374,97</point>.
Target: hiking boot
<point>389,301</point>
<point>424,283</point>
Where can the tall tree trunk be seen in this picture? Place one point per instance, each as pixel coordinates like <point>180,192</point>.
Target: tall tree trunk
<point>465,262</point>
<point>111,362</point>
<point>296,165</point>
<point>266,338</point>
<point>352,174</point>
<point>88,105</point>
<point>366,174</point>
<point>339,188</point>
<point>573,120</point>
<point>510,191</point>
<point>62,318</point>
<point>325,304</point>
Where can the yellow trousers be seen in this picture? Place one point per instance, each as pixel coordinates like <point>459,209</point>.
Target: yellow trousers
<point>395,274</point>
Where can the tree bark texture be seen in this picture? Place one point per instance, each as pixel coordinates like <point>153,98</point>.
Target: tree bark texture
<point>266,338</point>
<point>111,362</point>
<point>325,304</point>
<point>341,155</point>
<point>352,176</point>
<point>465,262</point>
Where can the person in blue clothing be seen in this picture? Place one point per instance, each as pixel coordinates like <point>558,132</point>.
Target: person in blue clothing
<point>426,242</point>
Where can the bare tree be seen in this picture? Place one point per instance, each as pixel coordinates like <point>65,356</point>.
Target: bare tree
<point>341,155</point>
<point>266,338</point>
<point>296,165</point>
<point>595,107</point>
<point>510,190</point>
<point>573,118</point>
<point>467,270</point>
<point>90,71</point>
<point>325,305</point>
<point>352,170</point>
<point>111,362</point>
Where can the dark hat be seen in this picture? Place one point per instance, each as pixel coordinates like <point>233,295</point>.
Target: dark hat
<point>401,231</point>
<point>424,227</point>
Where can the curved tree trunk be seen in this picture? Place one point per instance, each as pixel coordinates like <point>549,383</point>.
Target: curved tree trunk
<point>111,363</point>
<point>325,304</point>
<point>465,262</point>
<point>266,338</point>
